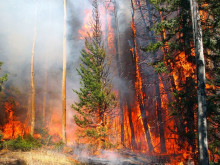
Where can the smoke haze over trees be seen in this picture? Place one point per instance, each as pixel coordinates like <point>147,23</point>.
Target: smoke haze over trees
<point>157,69</point>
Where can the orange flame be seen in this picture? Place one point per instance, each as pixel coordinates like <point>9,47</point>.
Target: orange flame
<point>13,128</point>
<point>87,27</point>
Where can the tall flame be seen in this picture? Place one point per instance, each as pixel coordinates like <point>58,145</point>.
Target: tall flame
<point>13,128</point>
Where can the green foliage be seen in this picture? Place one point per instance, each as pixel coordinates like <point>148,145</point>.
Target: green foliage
<point>168,25</point>
<point>92,133</point>
<point>96,133</point>
<point>25,144</point>
<point>175,28</point>
<point>95,92</point>
<point>3,78</point>
<point>160,67</point>
<point>177,25</point>
<point>96,98</point>
<point>1,136</point>
<point>153,47</point>
<point>45,136</point>
<point>59,146</point>
<point>165,5</point>
<point>1,140</point>
<point>97,138</point>
<point>108,145</point>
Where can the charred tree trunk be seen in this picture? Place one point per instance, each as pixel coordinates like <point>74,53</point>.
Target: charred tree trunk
<point>179,120</point>
<point>146,127</point>
<point>64,77</point>
<point>32,78</point>
<point>140,99</point>
<point>157,87</point>
<point>189,84</point>
<point>166,87</point>
<point>159,115</point>
<point>200,65</point>
<point>133,142</point>
<point>117,41</point>
<point>190,115</point>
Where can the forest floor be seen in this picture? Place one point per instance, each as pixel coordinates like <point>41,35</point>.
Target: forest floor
<point>46,156</point>
<point>36,157</point>
<point>72,156</point>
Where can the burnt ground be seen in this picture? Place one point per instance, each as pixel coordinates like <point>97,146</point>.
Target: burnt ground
<point>128,157</point>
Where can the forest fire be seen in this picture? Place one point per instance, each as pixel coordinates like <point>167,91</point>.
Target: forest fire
<point>86,29</point>
<point>13,128</point>
<point>133,87</point>
<point>55,127</point>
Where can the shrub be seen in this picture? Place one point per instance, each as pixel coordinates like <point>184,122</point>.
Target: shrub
<point>25,144</point>
<point>1,140</point>
<point>45,136</point>
<point>59,146</point>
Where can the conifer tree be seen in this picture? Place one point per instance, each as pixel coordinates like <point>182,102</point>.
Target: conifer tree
<point>96,99</point>
<point>3,78</point>
<point>176,20</point>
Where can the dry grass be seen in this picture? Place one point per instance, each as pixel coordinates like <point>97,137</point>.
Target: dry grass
<point>38,157</point>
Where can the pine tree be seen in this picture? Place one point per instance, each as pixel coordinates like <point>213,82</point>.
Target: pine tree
<point>3,78</point>
<point>177,24</point>
<point>173,28</point>
<point>96,99</point>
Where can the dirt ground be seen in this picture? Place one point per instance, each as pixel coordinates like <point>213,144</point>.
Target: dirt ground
<point>36,157</point>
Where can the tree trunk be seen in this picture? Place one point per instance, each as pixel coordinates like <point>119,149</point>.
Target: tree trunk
<point>117,41</point>
<point>151,37</point>
<point>64,77</point>
<point>45,94</point>
<point>179,120</point>
<point>133,142</point>
<point>200,65</point>
<point>190,125</point>
<point>158,98</point>
<point>146,127</point>
<point>32,78</point>
<point>140,99</point>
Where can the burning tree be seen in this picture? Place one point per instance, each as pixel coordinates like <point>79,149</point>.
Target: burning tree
<point>176,28</point>
<point>96,99</point>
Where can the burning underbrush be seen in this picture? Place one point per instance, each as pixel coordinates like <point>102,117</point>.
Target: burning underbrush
<point>35,151</point>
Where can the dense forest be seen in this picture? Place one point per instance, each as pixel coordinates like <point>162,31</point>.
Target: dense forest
<point>110,82</point>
